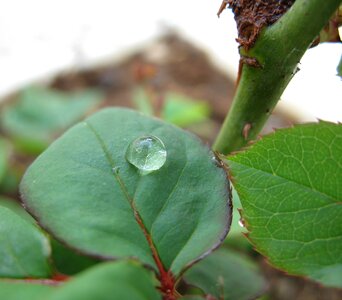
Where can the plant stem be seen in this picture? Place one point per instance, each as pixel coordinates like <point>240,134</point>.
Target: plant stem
<point>278,50</point>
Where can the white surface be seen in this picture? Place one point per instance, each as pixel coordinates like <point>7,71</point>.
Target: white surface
<point>39,38</point>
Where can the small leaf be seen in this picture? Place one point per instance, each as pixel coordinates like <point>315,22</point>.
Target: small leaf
<point>142,101</point>
<point>227,275</point>
<point>41,114</point>
<point>122,280</point>
<point>290,187</point>
<point>183,111</point>
<point>85,192</point>
<point>20,290</point>
<point>24,250</point>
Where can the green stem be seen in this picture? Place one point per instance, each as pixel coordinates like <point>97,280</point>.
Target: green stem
<point>278,50</point>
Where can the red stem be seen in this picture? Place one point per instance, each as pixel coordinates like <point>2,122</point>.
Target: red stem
<point>166,278</point>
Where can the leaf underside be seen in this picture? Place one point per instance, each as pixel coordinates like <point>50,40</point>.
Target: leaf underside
<point>290,187</point>
<point>73,192</point>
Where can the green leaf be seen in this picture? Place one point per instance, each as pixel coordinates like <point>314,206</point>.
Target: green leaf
<point>4,154</point>
<point>15,207</point>
<point>184,111</point>
<point>227,275</point>
<point>142,101</point>
<point>290,187</point>
<point>68,261</point>
<point>110,281</point>
<point>24,250</point>
<point>123,280</point>
<point>11,179</point>
<point>19,290</point>
<point>86,194</point>
<point>65,260</point>
<point>41,114</point>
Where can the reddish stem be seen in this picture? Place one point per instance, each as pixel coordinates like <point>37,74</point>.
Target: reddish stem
<point>166,278</point>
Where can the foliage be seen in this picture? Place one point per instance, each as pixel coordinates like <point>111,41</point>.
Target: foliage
<point>106,193</point>
<point>176,108</point>
<point>227,275</point>
<point>163,223</point>
<point>290,190</point>
<point>40,115</point>
<point>24,250</point>
<point>122,280</point>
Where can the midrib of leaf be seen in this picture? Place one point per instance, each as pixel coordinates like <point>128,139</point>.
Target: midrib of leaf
<point>137,216</point>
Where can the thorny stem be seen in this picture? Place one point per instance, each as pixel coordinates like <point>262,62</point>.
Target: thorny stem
<point>278,50</point>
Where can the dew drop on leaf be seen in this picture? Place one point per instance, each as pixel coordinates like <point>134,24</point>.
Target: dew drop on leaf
<point>147,153</point>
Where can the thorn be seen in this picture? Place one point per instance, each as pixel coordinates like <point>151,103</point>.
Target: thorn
<point>222,7</point>
<point>246,129</point>
<point>251,61</point>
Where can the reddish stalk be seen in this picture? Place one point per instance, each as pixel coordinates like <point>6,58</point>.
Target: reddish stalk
<point>166,278</point>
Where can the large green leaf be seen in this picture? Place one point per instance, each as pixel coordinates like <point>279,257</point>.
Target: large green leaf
<point>20,290</point>
<point>41,114</point>
<point>24,250</point>
<point>290,187</point>
<point>227,275</point>
<point>110,281</point>
<point>84,191</point>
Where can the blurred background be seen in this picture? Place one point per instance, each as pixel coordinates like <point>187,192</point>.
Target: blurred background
<point>41,38</point>
<point>62,60</point>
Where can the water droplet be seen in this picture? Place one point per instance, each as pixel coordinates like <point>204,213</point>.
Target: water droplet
<point>242,223</point>
<point>147,153</point>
